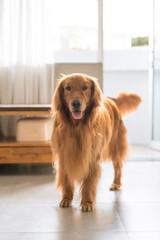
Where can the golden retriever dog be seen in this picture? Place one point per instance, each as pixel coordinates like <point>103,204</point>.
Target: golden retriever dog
<point>87,130</point>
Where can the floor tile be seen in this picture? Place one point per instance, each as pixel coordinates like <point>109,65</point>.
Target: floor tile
<point>140,151</point>
<point>67,236</point>
<point>143,235</point>
<point>7,186</point>
<point>29,206</point>
<point>34,189</point>
<point>141,172</point>
<point>51,218</point>
<point>139,216</point>
<point>28,236</point>
<point>141,193</point>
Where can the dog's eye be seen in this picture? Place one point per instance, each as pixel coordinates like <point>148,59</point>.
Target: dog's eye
<point>68,88</point>
<point>84,87</point>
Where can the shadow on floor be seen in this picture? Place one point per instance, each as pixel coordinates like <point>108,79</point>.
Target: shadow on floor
<point>27,169</point>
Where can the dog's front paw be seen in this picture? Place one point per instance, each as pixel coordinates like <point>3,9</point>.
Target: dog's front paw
<point>65,203</point>
<point>115,187</point>
<point>87,207</point>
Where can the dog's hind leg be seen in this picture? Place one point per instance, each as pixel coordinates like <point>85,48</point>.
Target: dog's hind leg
<point>117,164</point>
<point>117,154</point>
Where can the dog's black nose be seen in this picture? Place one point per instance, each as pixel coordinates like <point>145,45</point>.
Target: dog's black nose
<point>76,104</point>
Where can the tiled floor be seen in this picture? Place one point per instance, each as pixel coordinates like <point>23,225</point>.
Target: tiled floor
<point>29,205</point>
<point>138,152</point>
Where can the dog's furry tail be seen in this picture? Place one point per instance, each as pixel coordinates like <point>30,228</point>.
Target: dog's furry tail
<point>127,102</point>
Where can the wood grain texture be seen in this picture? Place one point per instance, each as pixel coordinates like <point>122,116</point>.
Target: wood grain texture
<point>13,110</point>
<point>25,155</point>
<point>21,113</point>
<point>11,142</point>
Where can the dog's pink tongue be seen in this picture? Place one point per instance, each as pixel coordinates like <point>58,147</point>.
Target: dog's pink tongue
<point>77,115</point>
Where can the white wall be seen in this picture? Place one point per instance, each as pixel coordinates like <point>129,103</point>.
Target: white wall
<point>127,70</point>
<point>138,122</point>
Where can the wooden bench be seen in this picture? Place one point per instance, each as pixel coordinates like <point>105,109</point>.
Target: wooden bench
<point>12,151</point>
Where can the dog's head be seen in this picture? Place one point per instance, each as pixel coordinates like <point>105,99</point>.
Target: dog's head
<point>77,94</point>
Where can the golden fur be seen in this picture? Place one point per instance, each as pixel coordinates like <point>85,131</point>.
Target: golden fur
<point>80,145</point>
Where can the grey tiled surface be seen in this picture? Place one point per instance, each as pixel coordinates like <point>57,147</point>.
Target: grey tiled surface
<point>29,205</point>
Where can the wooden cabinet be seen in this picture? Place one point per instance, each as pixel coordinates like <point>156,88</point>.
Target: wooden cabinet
<point>12,151</point>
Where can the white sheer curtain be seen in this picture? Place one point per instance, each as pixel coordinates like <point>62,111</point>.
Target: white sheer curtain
<point>26,31</point>
<point>26,54</point>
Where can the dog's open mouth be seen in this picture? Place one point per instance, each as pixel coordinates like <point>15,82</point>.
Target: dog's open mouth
<point>77,114</point>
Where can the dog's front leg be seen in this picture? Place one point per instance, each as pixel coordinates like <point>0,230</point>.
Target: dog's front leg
<point>67,189</point>
<point>89,188</point>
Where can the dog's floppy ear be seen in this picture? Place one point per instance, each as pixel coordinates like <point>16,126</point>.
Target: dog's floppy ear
<point>96,93</point>
<point>58,100</point>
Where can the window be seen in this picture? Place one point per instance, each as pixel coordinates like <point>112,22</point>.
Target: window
<point>76,35</point>
<point>124,20</point>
